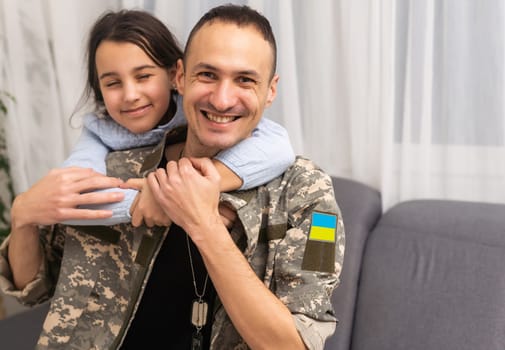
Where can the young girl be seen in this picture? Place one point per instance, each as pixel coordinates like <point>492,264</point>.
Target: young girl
<point>131,69</point>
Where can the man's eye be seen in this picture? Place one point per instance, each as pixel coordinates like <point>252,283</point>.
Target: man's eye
<point>246,80</point>
<point>207,75</point>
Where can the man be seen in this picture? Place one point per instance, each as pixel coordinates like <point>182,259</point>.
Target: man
<point>265,283</point>
<point>227,79</point>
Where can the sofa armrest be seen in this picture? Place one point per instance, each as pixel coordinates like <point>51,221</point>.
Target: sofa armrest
<point>361,209</point>
<point>21,331</point>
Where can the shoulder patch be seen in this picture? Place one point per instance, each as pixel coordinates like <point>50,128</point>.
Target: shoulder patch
<point>320,248</point>
<point>323,227</point>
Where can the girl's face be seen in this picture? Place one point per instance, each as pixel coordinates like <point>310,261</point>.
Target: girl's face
<point>135,90</point>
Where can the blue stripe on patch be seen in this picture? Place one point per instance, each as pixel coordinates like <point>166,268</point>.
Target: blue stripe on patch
<point>324,220</point>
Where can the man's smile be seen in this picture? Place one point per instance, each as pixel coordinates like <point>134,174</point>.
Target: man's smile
<point>219,118</point>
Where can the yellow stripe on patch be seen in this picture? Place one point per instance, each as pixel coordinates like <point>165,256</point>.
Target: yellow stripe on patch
<point>324,234</point>
<point>323,227</point>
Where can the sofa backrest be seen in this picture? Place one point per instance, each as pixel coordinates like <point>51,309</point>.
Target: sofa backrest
<point>433,277</point>
<point>361,209</point>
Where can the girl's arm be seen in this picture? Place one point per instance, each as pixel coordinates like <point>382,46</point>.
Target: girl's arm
<point>252,162</point>
<point>90,152</point>
<point>56,197</point>
<point>257,159</point>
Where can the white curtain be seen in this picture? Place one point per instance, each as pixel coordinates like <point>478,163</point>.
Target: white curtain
<point>446,133</point>
<point>405,96</point>
<point>42,66</point>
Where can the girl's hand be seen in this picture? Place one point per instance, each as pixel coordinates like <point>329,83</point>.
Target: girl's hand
<point>145,208</point>
<point>56,197</point>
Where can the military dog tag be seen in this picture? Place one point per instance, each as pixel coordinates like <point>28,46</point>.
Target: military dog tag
<point>199,313</point>
<point>197,341</point>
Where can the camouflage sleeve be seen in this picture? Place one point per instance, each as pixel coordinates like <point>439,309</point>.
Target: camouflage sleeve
<point>42,286</point>
<point>309,258</point>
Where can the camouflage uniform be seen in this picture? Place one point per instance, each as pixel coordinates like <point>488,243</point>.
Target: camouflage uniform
<point>103,270</point>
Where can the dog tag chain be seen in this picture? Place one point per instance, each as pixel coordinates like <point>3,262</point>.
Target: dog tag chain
<point>199,307</point>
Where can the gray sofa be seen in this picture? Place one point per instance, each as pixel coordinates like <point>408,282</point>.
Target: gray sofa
<point>426,274</point>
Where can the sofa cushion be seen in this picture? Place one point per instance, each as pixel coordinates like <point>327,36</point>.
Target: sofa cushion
<point>433,278</point>
<point>361,209</point>
<point>21,331</point>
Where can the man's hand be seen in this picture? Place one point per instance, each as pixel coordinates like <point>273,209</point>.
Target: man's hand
<point>188,192</point>
<point>146,208</point>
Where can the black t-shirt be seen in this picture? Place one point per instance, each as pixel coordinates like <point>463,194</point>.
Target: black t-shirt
<point>164,314</point>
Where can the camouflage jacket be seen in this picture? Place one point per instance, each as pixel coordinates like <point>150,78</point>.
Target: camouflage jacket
<point>290,230</point>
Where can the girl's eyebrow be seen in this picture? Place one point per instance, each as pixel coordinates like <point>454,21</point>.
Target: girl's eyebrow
<point>136,69</point>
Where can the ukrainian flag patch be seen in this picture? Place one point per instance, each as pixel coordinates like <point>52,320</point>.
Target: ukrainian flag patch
<point>323,227</point>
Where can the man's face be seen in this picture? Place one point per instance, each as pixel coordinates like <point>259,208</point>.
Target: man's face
<point>226,86</point>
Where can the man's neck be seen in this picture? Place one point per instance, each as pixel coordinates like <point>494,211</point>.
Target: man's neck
<point>175,151</point>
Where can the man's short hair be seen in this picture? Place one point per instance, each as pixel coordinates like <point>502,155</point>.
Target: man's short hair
<point>241,15</point>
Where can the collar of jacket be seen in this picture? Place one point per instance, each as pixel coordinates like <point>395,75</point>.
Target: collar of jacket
<point>153,159</point>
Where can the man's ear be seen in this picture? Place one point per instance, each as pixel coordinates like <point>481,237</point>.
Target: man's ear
<point>272,90</point>
<point>179,77</point>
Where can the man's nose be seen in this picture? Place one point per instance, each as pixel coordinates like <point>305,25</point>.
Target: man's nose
<point>224,95</point>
